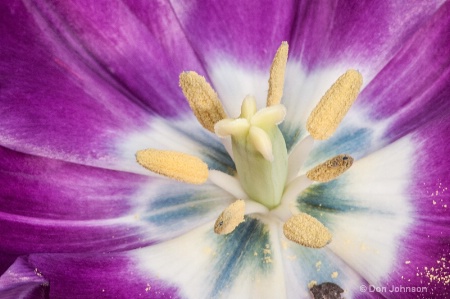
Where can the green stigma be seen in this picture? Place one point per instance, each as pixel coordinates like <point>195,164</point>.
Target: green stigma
<point>259,150</point>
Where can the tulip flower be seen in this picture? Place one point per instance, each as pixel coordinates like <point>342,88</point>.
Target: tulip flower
<point>224,149</point>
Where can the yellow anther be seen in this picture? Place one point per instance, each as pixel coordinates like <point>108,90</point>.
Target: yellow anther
<point>277,70</point>
<point>202,99</point>
<point>230,218</point>
<point>334,105</point>
<point>307,231</point>
<point>175,165</point>
<point>330,169</point>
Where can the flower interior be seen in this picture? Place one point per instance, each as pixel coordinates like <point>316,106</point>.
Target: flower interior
<point>267,180</point>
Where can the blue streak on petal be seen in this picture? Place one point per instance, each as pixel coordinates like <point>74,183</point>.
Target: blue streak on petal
<point>243,249</point>
<point>212,150</point>
<point>326,197</point>
<point>355,141</point>
<point>292,134</point>
<point>312,264</point>
<point>179,207</point>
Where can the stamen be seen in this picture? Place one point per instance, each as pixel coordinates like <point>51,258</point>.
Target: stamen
<point>175,165</point>
<point>230,218</point>
<point>307,231</point>
<point>277,70</point>
<point>334,105</point>
<point>202,99</point>
<point>330,169</point>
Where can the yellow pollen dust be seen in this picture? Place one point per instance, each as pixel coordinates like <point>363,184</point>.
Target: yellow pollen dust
<point>175,165</point>
<point>334,105</point>
<point>202,99</point>
<point>330,169</point>
<point>230,218</point>
<point>307,231</point>
<point>277,70</point>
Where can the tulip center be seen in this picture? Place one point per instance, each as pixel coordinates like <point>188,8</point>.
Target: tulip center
<point>268,180</point>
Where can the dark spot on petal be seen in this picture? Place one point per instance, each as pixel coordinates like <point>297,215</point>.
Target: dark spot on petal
<point>327,290</point>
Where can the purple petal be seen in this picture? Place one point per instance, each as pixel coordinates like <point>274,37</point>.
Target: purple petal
<point>106,275</point>
<point>425,252</point>
<point>413,87</point>
<point>411,90</point>
<point>53,206</point>
<point>61,100</point>
<point>23,281</point>
<point>139,44</point>
<point>358,32</point>
<point>248,32</point>
<point>236,42</point>
<point>6,260</point>
<point>44,188</point>
<point>23,235</point>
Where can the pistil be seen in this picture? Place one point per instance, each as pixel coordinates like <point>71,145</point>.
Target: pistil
<point>259,151</point>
